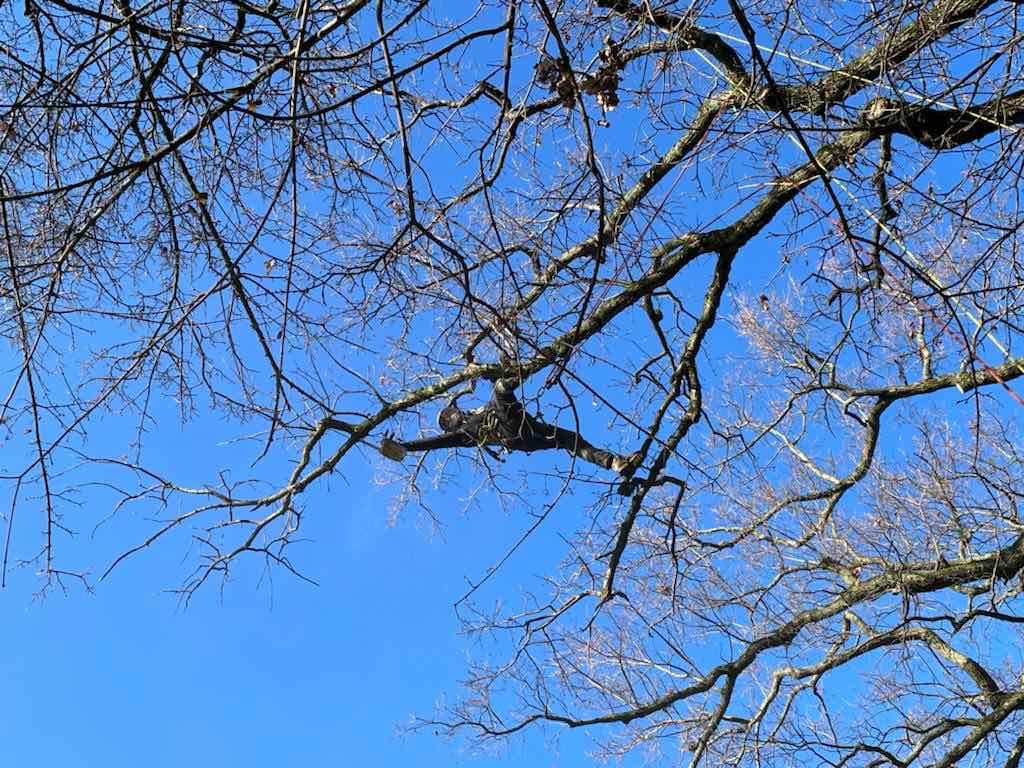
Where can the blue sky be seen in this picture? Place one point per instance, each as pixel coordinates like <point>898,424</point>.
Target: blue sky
<point>281,673</point>
<point>264,669</point>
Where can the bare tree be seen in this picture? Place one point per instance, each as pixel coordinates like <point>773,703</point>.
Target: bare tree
<point>751,270</point>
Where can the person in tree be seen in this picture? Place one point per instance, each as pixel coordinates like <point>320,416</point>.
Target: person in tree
<point>503,422</point>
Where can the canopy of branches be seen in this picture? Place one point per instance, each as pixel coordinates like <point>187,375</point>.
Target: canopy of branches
<point>758,260</point>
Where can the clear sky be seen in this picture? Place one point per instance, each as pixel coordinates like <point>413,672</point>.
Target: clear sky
<point>258,674</point>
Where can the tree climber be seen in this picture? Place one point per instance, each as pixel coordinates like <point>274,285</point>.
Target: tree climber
<point>503,422</point>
